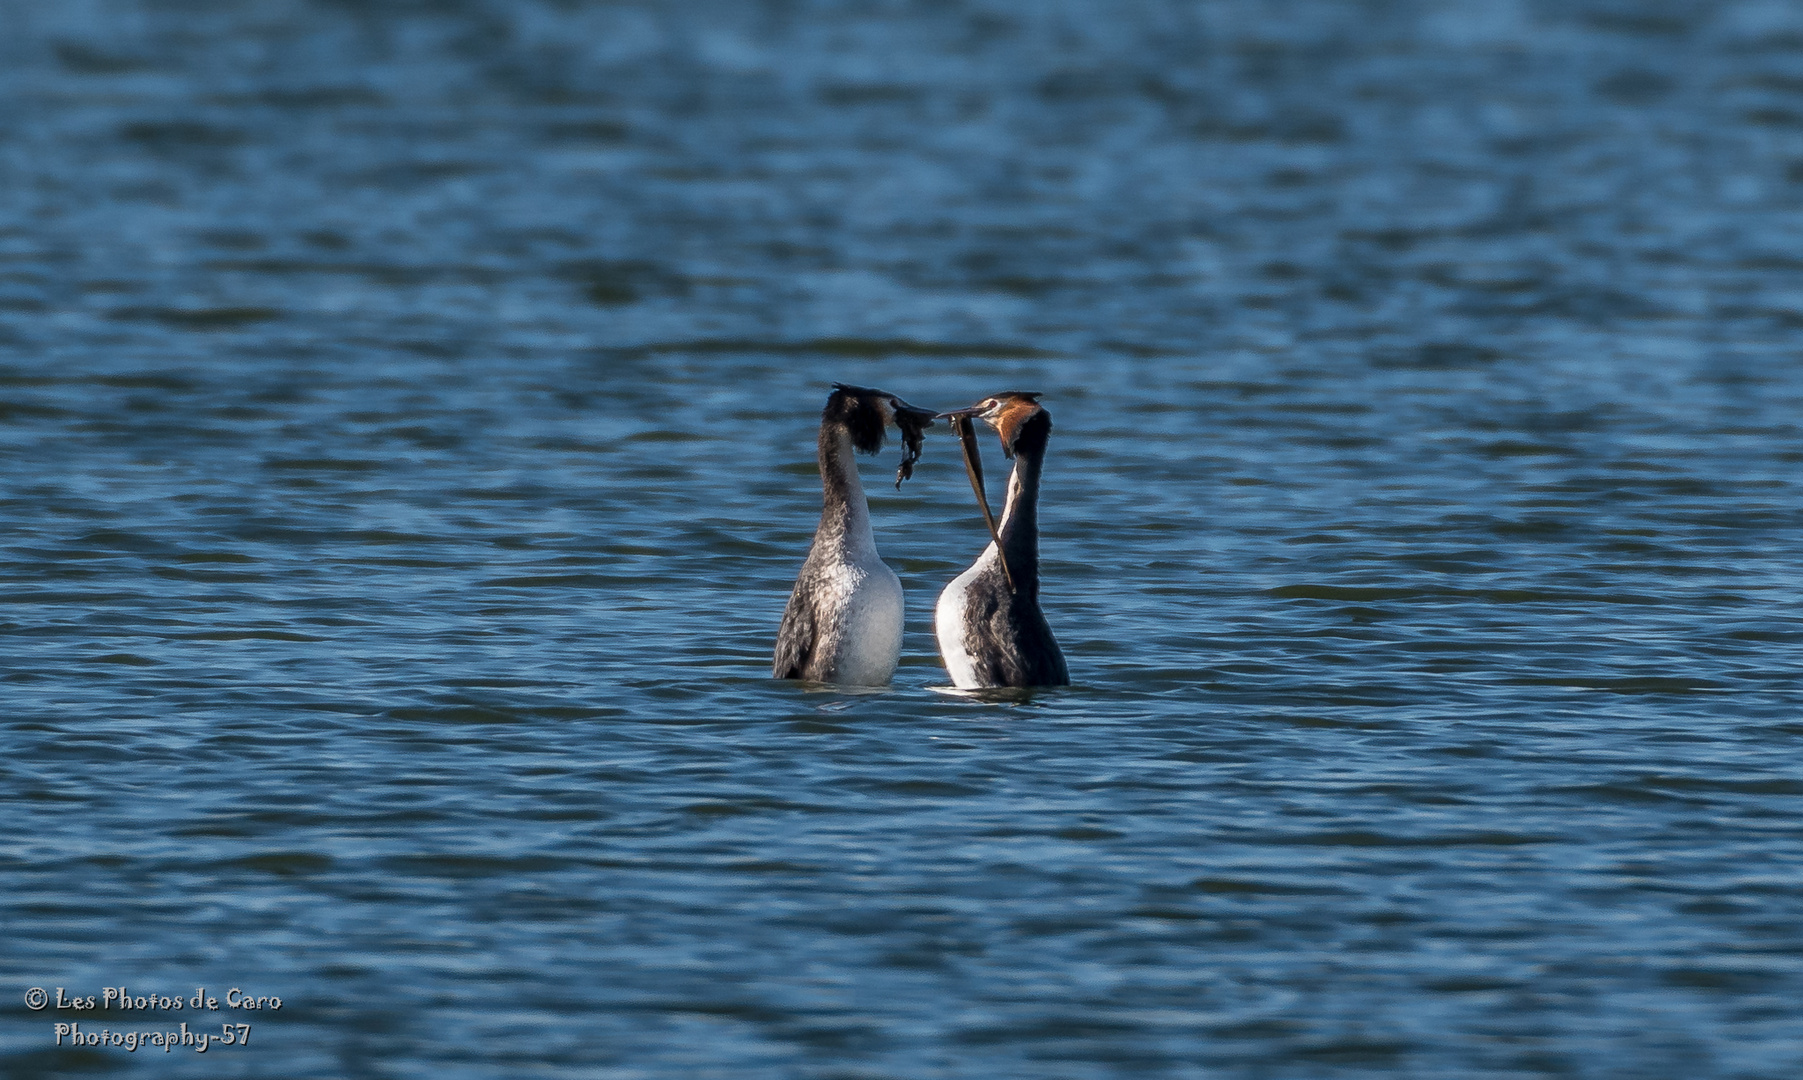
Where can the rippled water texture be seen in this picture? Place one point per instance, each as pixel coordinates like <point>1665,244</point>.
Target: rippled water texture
<point>407,414</point>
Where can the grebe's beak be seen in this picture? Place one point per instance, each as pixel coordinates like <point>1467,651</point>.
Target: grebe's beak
<point>973,468</point>
<point>914,414</point>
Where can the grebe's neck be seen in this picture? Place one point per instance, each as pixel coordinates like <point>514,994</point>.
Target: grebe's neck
<point>845,516</point>
<point>1019,527</point>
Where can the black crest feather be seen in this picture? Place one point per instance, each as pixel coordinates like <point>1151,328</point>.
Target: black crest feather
<point>862,413</point>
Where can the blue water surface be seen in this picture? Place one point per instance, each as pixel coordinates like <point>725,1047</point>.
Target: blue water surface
<point>407,418</point>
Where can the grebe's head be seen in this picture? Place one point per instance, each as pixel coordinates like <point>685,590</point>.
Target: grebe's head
<point>1006,412</point>
<point>865,412</point>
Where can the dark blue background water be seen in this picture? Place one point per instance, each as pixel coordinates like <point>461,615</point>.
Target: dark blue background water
<point>407,418</point>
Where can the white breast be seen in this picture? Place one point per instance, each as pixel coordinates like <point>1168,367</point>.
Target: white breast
<point>948,626</point>
<point>869,595</point>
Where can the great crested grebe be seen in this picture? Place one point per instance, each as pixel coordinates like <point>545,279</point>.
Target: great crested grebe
<point>844,619</point>
<point>990,629</point>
